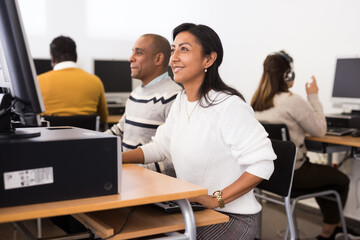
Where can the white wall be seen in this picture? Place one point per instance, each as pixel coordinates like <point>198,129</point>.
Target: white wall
<point>313,32</point>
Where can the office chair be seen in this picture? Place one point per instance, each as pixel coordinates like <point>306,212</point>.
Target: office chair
<point>91,122</point>
<point>277,131</point>
<point>281,132</point>
<point>280,181</point>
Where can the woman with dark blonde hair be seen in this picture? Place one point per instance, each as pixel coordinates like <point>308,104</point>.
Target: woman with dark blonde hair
<point>274,103</point>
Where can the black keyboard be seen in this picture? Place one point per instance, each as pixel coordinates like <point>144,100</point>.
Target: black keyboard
<point>339,131</point>
<point>172,207</point>
<point>117,110</point>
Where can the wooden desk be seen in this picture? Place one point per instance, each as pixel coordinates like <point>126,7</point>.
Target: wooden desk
<point>139,186</point>
<point>112,119</point>
<point>331,144</point>
<point>144,221</point>
<point>340,140</point>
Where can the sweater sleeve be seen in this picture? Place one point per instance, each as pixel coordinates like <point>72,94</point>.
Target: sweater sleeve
<point>247,139</point>
<point>118,129</point>
<point>159,148</point>
<point>309,115</point>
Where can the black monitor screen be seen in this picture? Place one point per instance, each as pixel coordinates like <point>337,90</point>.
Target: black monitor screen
<point>17,65</point>
<point>347,78</point>
<point>115,75</point>
<point>42,65</point>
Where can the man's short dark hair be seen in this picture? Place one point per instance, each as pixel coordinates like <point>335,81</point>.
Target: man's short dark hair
<point>63,49</point>
<point>160,45</point>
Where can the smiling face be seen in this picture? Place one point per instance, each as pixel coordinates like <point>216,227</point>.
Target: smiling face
<point>187,60</point>
<point>142,62</point>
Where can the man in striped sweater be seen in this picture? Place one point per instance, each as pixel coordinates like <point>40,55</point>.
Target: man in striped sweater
<point>149,104</point>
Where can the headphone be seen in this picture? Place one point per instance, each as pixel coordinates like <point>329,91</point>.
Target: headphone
<point>288,76</point>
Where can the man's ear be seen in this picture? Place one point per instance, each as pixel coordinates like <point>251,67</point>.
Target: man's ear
<point>210,59</point>
<point>159,58</point>
<point>53,62</point>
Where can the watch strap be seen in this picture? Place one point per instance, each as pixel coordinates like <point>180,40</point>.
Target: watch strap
<point>218,195</point>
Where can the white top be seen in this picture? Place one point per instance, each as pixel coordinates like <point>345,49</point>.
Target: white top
<point>215,147</point>
<point>65,64</point>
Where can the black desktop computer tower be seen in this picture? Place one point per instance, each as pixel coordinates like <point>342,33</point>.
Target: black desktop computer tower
<point>62,163</point>
<point>343,120</point>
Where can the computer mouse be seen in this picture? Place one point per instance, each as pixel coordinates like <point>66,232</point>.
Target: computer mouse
<point>356,133</point>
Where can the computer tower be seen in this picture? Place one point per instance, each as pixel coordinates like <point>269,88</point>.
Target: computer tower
<point>62,163</point>
<point>346,121</point>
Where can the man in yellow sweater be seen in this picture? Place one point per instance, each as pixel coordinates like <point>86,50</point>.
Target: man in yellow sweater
<point>68,90</point>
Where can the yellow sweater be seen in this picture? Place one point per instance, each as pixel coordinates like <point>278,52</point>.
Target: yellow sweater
<point>73,91</point>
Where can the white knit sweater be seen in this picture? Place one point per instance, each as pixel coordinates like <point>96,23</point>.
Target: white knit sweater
<point>214,146</point>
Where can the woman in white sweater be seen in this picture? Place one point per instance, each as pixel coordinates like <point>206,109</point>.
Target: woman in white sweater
<point>274,103</point>
<point>212,136</point>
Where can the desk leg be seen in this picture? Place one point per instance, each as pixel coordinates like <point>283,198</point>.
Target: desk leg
<point>189,221</point>
<point>39,228</point>
<point>329,159</point>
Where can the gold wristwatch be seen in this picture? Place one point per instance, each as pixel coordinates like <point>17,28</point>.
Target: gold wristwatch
<point>218,195</point>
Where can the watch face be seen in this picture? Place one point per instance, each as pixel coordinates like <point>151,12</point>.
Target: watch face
<point>217,193</point>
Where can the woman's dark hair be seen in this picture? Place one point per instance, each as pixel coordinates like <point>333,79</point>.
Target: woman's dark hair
<point>63,49</point>
<point>272,81</point>
<point>210,42</point>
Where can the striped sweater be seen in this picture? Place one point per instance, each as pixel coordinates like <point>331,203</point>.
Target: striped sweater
<point>145,110</point>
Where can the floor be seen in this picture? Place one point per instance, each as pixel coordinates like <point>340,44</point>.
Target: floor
<point>273,225</point>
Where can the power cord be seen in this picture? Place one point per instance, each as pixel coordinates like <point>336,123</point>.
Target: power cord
<point>123,226</point>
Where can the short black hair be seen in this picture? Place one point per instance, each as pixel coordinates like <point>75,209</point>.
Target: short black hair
<point>160,45</point>
<point>63,49</point>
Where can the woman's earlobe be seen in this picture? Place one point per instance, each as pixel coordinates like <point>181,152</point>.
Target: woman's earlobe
<point>211,58</point>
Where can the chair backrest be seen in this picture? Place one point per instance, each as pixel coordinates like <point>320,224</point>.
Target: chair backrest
<point>280,181</point>
<point>82,121</point>
<point>277,131</point>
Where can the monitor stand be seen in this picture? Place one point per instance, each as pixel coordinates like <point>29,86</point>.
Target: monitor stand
<point>6,130</point>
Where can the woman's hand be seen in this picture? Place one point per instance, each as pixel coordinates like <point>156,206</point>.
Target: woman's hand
<point>311,87</point>
<point>207,200</point>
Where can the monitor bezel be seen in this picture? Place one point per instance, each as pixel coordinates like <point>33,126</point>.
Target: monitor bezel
<point>23,85</point>
<point>118,97</point>
<point>347,104</point>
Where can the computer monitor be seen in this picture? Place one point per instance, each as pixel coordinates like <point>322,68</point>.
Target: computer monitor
<point>116,77</point>
<point>42,65</point>
<point>17,73</point>
<point>346,93</point>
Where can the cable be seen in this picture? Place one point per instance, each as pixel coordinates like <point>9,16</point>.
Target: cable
<point>4,111</point>
<point>125,223</point>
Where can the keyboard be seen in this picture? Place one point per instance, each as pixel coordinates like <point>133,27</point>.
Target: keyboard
<point>116,110</point>
<point>172,207</point>
<point>339,131</point>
